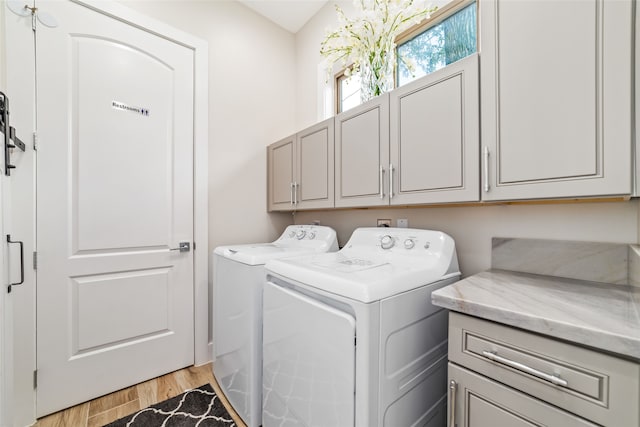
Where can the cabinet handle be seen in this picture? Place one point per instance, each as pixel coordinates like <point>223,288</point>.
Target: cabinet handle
<point>486,169</point>
<point>9,241</point>
<point>291,193</point>
<point>381,182</point>
<point>453,387</point>
<point>295,193</point>
<point>390,180</point>
<point>524,368</point>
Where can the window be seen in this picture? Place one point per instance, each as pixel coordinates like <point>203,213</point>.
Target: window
<point>444,39</point>
<point>348,91</point>
<point>439,45</point>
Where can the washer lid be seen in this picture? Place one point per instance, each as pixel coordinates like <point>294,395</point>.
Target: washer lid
<point>295,240</point>
<point>260,253</point>
<point>367,271</point>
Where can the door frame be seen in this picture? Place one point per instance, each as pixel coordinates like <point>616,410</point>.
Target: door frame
<point>202,346</point>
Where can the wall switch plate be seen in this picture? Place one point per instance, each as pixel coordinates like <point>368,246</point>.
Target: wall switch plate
<point>403,223</point>
<point>384,223</point>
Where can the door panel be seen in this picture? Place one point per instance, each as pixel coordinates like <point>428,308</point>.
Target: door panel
<point>362,154</point>
<point>538,140</point>
<point>482,402</point>
<point>308,364</point>
<point>431,131</point>
<point>281,157</point>
<point>556,99</point>
<point>115,194</point>
<point>434,136</point>
<point>141,135</point>
<point>314,167</point>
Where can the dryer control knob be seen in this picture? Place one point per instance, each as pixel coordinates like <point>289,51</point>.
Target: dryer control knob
<point>311,235</point>
<point>409,244</point>
<point>292,234</point>
<point>300,234</point>
<point>386,242</point>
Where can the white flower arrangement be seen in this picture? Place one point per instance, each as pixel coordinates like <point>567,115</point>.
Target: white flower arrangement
<point>366,44</point>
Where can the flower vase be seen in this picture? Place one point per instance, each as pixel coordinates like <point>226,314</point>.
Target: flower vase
<point>376,78</point>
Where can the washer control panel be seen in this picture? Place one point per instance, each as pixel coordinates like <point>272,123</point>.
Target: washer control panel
<point>310,236</point>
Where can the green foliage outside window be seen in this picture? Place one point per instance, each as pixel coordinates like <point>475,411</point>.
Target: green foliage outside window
<point>451,40</point>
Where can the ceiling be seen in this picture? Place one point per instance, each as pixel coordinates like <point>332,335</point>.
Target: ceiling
<point>289,14</point>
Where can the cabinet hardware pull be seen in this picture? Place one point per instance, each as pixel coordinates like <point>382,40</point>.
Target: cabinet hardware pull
<point>390,180</point>
<point>292,186</point>
<point>453,387</point>
<point>486,169</point>
<point>381,182</point>
<point>21,262</point>
<point>529,370</point>
<point>295,193</point>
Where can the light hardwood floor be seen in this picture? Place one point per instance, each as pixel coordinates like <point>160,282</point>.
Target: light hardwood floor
<point>106,409</point>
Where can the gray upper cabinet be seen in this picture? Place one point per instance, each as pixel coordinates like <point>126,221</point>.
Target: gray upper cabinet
<point>434,139</point>
<point>556,97</point>
<point>300,170</point>
<point>417,145</point>
<point>362,154</point>
<point>280,174</point>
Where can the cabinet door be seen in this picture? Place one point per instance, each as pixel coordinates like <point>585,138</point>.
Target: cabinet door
<point>481,402</point>
<point>280,169</point>
<point>314,168</point>
<point>362,154</point>
<point>434,137</point>
<point>556,98</point>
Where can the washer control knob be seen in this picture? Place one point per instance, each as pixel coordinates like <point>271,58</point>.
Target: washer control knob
<point>386,242</point>
<point>409,244</point>
<point>300,234</point>
<point>292,234</point>
<point>311,235</point>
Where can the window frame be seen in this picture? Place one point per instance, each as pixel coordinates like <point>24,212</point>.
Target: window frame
<point>436,18</point>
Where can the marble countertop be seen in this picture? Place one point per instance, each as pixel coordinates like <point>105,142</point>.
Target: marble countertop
<point>598,315</point>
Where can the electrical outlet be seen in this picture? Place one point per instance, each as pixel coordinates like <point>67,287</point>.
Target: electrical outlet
<point>402,223</point>
<point>384,223</point>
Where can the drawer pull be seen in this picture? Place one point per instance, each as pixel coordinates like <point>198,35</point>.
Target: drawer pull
<point>453,387</point>
<point>516,365</point>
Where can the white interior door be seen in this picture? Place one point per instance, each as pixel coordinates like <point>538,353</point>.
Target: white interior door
<point>115,194</point>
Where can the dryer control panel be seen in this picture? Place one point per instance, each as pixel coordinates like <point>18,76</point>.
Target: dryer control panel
<point>398,240</point>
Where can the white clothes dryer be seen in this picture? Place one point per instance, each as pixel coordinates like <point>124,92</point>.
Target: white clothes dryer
<point>352,339</point>
<point>237,311</point>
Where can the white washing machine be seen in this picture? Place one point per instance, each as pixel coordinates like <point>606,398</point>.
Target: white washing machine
<point>351,338</point>
<point>237,311</point>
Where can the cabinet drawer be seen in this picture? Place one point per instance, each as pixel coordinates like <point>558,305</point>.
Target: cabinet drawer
<point>479,402</point>
<point>597,386</point>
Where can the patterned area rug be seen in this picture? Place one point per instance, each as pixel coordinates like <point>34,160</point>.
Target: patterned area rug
<point>199,407</point>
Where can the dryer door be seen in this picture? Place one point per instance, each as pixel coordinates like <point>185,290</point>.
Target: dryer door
<point>308,361</point>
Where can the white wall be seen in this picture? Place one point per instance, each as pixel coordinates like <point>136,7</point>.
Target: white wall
<point>472,227</point>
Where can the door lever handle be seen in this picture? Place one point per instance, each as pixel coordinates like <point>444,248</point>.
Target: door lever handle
<point>21,261</point>
<point>182,247</point>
